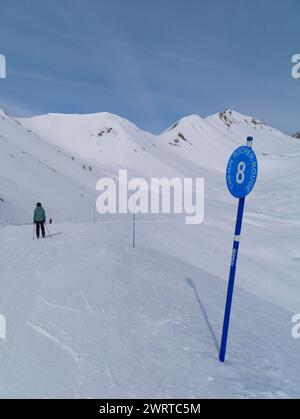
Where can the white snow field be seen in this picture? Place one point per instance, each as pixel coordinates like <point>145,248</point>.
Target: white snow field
<point>89,316</point>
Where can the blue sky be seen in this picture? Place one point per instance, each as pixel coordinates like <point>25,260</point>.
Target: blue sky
<point>151,61</point>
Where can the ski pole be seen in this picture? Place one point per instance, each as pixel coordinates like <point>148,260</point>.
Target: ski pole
<point>33,231</point>
<point>48,230</point>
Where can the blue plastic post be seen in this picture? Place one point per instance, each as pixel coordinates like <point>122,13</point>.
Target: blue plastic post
<point>235,250</point>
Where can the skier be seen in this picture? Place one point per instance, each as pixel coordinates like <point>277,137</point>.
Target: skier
<point>39,218</point>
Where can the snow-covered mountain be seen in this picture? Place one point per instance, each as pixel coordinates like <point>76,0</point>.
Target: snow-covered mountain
<point>57,159</point>
<point>191,146</point>
<point>80,148</point>
<point>108,315</point>
<point>32,169</point>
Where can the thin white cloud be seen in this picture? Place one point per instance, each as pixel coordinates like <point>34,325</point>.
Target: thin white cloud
<point>18,109</point>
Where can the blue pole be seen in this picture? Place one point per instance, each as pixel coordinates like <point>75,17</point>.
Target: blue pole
<point>235,250</point>
<point>133,231</point>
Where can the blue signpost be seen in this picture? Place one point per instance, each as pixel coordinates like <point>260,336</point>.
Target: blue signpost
<point>133,230</point>
<point>241,175</point>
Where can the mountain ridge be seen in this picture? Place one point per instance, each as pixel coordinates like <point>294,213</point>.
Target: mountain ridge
<point>52,151</point>
<point>229,117</point>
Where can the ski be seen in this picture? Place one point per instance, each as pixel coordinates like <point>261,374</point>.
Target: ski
<point>48,236</point>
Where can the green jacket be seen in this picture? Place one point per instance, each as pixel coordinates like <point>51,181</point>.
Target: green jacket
<point>39,215</point>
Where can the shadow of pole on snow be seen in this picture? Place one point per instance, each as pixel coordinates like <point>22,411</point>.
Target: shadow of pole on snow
<point>205,316</point>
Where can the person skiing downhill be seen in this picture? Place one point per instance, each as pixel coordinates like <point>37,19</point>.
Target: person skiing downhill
<point>39,218</point>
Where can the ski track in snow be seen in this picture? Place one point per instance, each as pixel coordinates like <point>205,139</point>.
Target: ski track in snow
<point>60,307</point>
<point>50,336</point>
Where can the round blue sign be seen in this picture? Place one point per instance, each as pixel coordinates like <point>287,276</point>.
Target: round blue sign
<point>241,173</point>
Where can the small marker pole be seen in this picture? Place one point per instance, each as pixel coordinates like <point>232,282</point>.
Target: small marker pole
<point>133,228</point>
<point>48,230</point>
<point>235,250</point>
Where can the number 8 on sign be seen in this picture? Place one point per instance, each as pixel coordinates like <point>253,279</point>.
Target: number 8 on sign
<point>240,176</point>
<point>241,173</point>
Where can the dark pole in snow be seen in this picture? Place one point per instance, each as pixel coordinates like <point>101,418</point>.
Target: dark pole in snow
<point>241,176</point>
<point>235,250</point>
